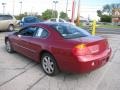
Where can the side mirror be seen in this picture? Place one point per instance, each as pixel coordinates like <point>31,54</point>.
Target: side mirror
<point>21,23</point>
<point>19,36</point>
<point>16,33</point>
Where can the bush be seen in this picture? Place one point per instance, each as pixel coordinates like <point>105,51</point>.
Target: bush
<point>106,18</point>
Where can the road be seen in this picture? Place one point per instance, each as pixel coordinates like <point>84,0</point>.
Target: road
<point>106,30</point>
<point>20,73</point>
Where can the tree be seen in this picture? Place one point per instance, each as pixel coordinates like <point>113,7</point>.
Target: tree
<point>99,13</point>
<point>19,17</point>
<point>106,18</point>
<point>109,7</point>
<point>49,14</point>
<point>106,14</point>
<point>63,15</point>
<point>54,14</point>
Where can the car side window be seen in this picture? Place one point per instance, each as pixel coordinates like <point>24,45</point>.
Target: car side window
<point>29,31</point>
<point>42,33</point>
<point>53,20</point>
<point>1,17</point>
<point>61,20</point>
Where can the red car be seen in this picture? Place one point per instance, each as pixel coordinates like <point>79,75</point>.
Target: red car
<point>60,47</point>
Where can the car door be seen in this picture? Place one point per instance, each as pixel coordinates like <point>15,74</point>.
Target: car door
<point>22,39</point>
<point>3,23</point>
<point>38,42</point>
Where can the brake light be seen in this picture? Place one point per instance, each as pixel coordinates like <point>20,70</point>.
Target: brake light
<point>81,49</point>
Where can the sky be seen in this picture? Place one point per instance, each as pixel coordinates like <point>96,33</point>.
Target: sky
<point>88,8</point>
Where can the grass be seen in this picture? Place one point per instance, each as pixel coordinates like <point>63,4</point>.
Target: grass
<point>103,26</point>
<point>81,25</point>
<point>109,26</point>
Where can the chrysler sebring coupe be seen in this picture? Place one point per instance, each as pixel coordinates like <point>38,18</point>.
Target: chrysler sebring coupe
<point>60,47</point>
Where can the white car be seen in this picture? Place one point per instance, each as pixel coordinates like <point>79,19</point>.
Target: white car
<point>7,22</point>
<point>58,20</point>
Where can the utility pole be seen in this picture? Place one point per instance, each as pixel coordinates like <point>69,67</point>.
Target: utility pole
<point>13,6</point>
<point>55,2</point>
<point>66,6</point>
<point>78,14</point>
<point>73,11</point>
<point>20,7</point>
<point>3,4</point>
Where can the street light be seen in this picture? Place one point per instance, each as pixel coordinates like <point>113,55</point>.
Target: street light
<point>66,6</point>
<point>13,6</point>
<point>55,2</point>
<point>20,7</point>
<point>73,11</point>
<point>3,4</point>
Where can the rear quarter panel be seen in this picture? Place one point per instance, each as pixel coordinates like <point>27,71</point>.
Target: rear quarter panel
<point>4,24</point>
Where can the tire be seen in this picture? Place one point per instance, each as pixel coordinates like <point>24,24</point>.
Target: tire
<point>49,64</point>
<point>11,28</point>
<point>9,47</point>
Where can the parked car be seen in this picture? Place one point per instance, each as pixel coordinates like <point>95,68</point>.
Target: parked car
<point>7,22</point>
<point>59,20</point>
<point>56,20</point>
<point>28,20</point>
<point>60,47</point>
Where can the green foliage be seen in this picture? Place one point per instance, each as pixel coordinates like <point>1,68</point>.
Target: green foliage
<point>63,15</point>
<point>19,17</point>
<point>49,14</point>
<point>109,7</point>
<point>106,18</point>
<point>55,14</point>
<point>99,13</point>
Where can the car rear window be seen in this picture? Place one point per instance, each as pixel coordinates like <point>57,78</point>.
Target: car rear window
<point>70,31</point>
<point>31,20</point>
<point>5,17</point>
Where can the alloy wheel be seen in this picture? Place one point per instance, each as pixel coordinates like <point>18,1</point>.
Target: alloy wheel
<point>49,64</point>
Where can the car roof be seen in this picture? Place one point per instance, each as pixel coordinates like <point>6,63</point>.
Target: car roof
<point>5,15</point>
<point>52,23</point>
<point>30,17</point>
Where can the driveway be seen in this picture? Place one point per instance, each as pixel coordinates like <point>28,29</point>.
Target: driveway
<point>20,73</point>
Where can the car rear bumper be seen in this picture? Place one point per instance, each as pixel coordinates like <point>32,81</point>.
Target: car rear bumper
<point>92,65</point>
<point>86,64</point>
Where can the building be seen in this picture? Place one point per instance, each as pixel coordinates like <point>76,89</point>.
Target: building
<point>116,16</point>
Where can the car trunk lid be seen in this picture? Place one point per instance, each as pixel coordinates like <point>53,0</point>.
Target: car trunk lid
<point>95,44</point>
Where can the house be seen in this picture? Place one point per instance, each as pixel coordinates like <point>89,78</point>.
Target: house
<point>116,16</point>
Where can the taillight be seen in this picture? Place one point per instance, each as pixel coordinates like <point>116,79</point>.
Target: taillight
<point>81,49</point>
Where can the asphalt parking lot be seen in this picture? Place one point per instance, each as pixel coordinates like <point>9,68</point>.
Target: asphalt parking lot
<point>20,73</point>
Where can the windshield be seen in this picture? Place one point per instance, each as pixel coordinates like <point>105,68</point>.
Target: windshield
<point>70,31</point>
